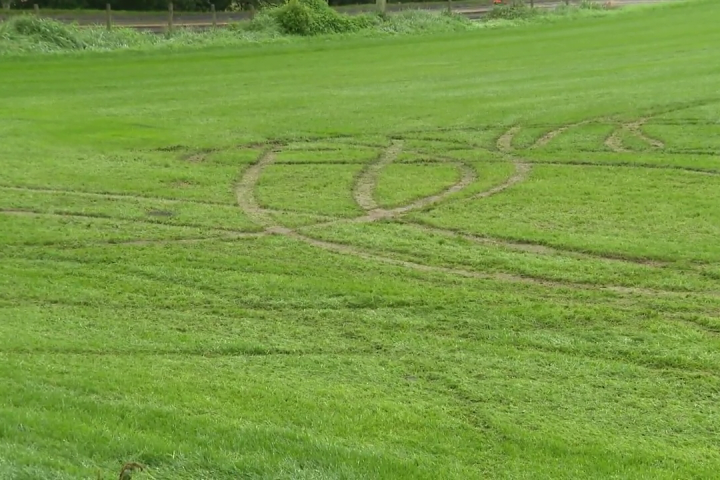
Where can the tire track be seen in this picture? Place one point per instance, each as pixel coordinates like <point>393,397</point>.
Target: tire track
<point>614,142</point>
<point>549,136</point>
<point>504,142</point>
<point>344,249</point>
<point>221,238</point>
<point>245,191</point>
<point>367,181</point>
<point>89,216</point>
<point>649,166</point>
<point>522,170</point>
<point>636,129</point>
<point>533,247</point>
<point>363,191</point>
<point>468,176</point>
<point>111,196</point>
<point>248,202</point>
<point>150,242</point>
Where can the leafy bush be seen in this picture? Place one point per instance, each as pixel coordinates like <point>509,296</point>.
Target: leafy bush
<point>314,17</point>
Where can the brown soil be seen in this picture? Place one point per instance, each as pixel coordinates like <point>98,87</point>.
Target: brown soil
<point>614,143</point>
<point>366,182</point>
<point>467,178</point>
<point>245,191</point>
<point>111,196</point>
<point>522,169</point>
<point>504,143</point>
<point>545,139</point>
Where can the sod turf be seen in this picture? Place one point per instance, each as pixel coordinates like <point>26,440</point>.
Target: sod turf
<point>478,255</point>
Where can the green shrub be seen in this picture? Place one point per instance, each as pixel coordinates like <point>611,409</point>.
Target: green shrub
<point>314,17</point>
<point>294,18</point>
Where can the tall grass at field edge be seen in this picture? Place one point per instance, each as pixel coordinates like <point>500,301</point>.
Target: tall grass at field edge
<point>24,34</point>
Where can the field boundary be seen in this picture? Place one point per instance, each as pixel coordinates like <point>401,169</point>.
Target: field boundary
<point>159,21</point>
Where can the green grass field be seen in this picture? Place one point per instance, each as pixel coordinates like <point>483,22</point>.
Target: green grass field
<point>480,255</point>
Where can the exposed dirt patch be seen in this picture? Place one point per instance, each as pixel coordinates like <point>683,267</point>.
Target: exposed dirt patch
<point>363,194</point>
<point>636,129</point>
<point>17,211</point>
<point>522,169</point>
<point>33,213</point>
<point>175,241</point>
<point>467,178</point>
<point>195,157</point>
<point>650,166</point>
<point>198,156</point>
<point>160,213</point>
<point>245,191</point>
<point>278,230</point>
<point>547,138</point>
<point>366,182</point>
<point>535,248</point>
<point>504,143</point>
<point>111,196</point>
<point>259,145</point>
<point>614,143</point>
<point>495,276</point>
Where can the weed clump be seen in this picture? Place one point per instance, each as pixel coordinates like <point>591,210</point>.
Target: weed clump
<point>314,17</point>
<point>593,5</point>
<point>41,31</point>
<point>516,10</point>
<point>423,21</point>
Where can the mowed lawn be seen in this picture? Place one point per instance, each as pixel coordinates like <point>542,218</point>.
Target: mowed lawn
<point>487,255</point>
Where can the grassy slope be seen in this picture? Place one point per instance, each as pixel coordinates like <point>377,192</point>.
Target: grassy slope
<point>270,358</point>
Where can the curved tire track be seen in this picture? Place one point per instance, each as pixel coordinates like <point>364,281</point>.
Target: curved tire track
<point>248,203</point>
<point>367,181</point>
<point>245,191</point>
<point>522,170</point>
<point>614,142</point>
<point>549,136</point>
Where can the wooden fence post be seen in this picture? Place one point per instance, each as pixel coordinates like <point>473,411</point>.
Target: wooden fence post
<point>214,15</point>
<point>36,7</point>
<point>108,16</point>
<point>381,4</point>
<point>170,16</point>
